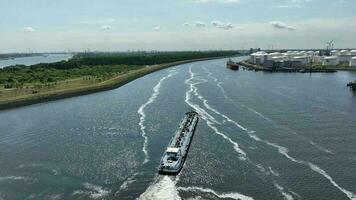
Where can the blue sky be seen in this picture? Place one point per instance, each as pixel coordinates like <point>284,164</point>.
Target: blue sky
<point>119,25</point>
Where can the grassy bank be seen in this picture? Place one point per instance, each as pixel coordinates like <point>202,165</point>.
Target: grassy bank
<point>15,97</point>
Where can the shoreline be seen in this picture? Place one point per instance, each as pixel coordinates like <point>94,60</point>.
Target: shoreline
<point>110,84</point>
<point>254,67</point>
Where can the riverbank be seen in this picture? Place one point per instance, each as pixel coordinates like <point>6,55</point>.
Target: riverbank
<point>253,67</point>
<point>117,81</point>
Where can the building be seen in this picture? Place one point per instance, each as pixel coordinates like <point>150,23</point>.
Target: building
<point>330,61</point>
<point>353,52</point>
<point>299,59</point>
<point>353,62</point>
<point>304,60</point>
<point>258,58</point>
<point>334,52</point>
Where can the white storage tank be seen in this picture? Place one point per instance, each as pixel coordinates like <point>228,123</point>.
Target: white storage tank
<point>331,61</point>
<point>316,59</point>
<point>353,62</point>
<point>344,52</point>
<point>258,57</point>
<point>345,58</point>
<point>311,53</point>
<point>353,52</point>
<point>303,59</point>
<point>335,52</point>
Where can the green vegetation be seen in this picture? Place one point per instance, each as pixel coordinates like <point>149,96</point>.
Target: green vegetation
<point>99,65</point>
<point>84,74</point>
<point>146,58</point>
<point>18,76</point>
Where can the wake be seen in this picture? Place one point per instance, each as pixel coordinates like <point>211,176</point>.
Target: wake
<point>285,152</point>
<point>141,112</point>
<point>230,195</point>
<point>219,85</point>
<point>207,117</point>
<point>163,188</point>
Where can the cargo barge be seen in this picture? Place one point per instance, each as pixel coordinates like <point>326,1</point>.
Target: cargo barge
<point>174,157</point>
<point>232,65</point>
<point>352,85</point>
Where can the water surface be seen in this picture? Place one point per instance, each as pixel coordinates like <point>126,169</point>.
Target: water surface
<point>261,136</point>
<point>31,60</point>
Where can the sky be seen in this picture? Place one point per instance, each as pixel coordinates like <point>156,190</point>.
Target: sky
<point>121,25</point>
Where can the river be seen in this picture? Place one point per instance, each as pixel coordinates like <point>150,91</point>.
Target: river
<point>261,136</point>
<point>31,60</point>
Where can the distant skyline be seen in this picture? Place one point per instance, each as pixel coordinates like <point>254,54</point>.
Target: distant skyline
<point>120,25</point>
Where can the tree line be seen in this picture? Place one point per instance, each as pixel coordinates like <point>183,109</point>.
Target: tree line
<point>94,64</point>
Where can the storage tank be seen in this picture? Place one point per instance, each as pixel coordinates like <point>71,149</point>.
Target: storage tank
<point>344,52</point>
<point>316,59</point>
<point>331,61</point>
<point>303,59</point>
<point>353,52</point>
<point>311,53</point>
<point>335,52</point>
<point>353,62</point>
<point>258,57</point>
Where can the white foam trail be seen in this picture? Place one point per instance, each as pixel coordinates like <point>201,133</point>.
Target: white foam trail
<point>242,154</point>
<point>163,188</point>
<point>320,147</point>
<point>13,178</point>
<point>274,173</point>
<point>188,96</point>
<point>264,117</point>
<point>317,169</point>
<point>284,151</point>
<point>207,117</point>
<point>231,195</point>
<point>286,195</point>
<point>141,112</point>
<point>210,74</point>
<point>94,191</point>
<point>127,182</point>
<point>209,107</point>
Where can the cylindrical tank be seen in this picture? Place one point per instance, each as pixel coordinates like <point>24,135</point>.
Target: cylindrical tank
<point>353,62</point>
<point>344,52</point>
<point>335,52</point>
<point>353,52</point>
<point>331,61</point>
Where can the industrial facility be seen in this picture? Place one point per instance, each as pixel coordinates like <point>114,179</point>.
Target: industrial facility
<point>300,59</point>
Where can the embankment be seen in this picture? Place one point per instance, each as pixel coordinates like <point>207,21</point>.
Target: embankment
<point>113,83</point>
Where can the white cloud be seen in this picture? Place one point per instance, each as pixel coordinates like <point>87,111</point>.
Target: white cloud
<point>158,28</point>
<point>28,29</point>
<point>281,25</point>
<point>288,6</point>
<point>106,27</point>
<point>217,1</point>
<point>293,4</point>
<point>222,25</point>
<point>200,24</point>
